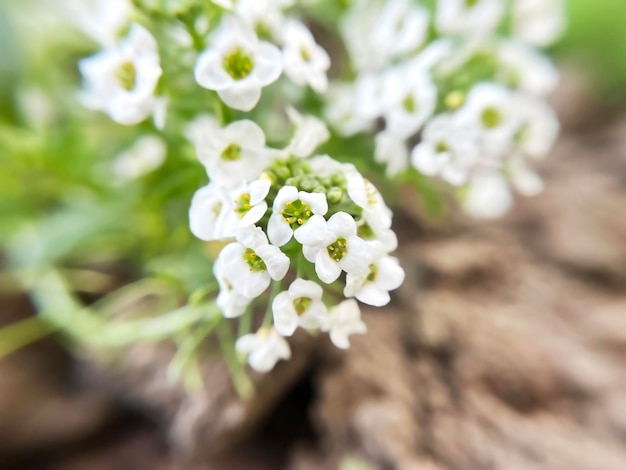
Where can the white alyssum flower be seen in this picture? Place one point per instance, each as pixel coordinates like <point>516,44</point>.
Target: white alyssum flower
<point>468,18</point>
<point>238,65</point>
<point>121,81</point>
<point>305,61</point>
<point>356,27</point>
<point>101,20</point>
<point>490,111</point>
<point>488,196</point>
<point>400,28</point>
<point>248,205</point>
<point>371,95</point>
<point>391,150</point>
<point>523,179</point>
<point>344,321</point>
<point>411,98</point>
<point>230,302</point>
<point>265,17</point>
<point>539,129</point>
<point>145,155</point>
<point>235,153</point>
<point>310,133</point>
<point>341,111</point>
<point>526,69</point>
<point>340,249</point>
<point>539,22</point>
<point>446,150</point>
<point>372,288</point>
<point>250,263</point>
<point>365,195</point>
<point>300,306</point>
<point>299,214</point>
<point>264,348</point>
<point>202,125</point>
<point>208,214</point>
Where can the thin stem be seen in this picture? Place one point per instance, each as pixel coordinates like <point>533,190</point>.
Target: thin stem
<point>23,333</point>
<point>241,382</point>
<point>245,323</point>
<point>267,320</point>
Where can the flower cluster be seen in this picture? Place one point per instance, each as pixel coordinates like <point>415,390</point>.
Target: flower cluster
<point>475,98</point>
<point>300,223</point>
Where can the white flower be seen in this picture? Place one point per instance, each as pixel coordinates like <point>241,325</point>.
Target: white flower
<point>540,127</point>
<point>231,303</point>
<point>248,205</point>
<point>391,150</point>
<point>400,28</point>
<point>373,287</point>
<point>355,27</point>
<point>345,320</point>
<point>297,213</point>
<point>341,110</point>
<point>340,249</point>
<point>365,195</point>
<point>525,181</point>
<point>227,4</point>
<point>144,156</point>
<point>265,348</point>
<point>468,18</point>
<point>121,81</point>
<point>490,111</point>
<point>305,61</point>
<point>539,22</point>
<point>208,212</point>
<point>446,150</point>
<point>301,305</point>
<point>411,99</point>
<point>526,69</point>
<point>309,134</point>
<point>265,17</point>
<point>199,127</point>
<point>101,20</point>
<point>251,262</point>
<point>488,196</point>
<point>235,153</point>
<point>238,65</point>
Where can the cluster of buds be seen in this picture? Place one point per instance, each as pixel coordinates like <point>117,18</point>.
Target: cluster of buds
<point>301,223</point>
<point>474,100</point>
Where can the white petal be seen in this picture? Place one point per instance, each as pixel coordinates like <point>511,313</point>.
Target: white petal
<point>326,268</point>
<point>278,230</point>
<point>285,317</point>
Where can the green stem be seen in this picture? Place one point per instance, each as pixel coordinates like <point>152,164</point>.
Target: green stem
<point>268,318</point>
<point>241,382</point>
<point>23,333</point>
<point>245,323</point>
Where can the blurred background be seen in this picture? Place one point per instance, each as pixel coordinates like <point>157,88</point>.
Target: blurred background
<point>506,347</point>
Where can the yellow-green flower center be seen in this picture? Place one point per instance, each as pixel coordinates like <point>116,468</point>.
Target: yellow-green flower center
<point>373,274</point>
<point>409,104</point>
<point>441,147</point>
<point>231,153</point>
<point>304,53</point>
<point>301,304</point>
<point>252,259</point>
<point>242,205</point>
<point>338,249</point>
<point>296,213</point>
<point>126,75</point>
<point>470,3</point>
<point>238,64</point>
<point>491,117</point>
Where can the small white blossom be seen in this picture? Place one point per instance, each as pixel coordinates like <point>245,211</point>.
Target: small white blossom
<point>144,156</point>
<point>121,81</point>
<point>101,20</point>
<point>305,61</point>
<point>340,249</point>
<point>208,212</point>
<point>365,195</point>
<point>199,127</point>
<point>310,133</point>
<point>297,213</point>
<point>400,28</point>
<point>265,348</point>
<point>446,150</point>
<point>391,150</point>
<point>526,69</point>
<point>488,196</point>
<point>251,262</point>
<point>344,321</point>
<point>248,205</point>
<point>372,288</point>
<point>525,181</point>
<point>301,305</point>
<point>230,302</point>
<point>342,104</point>
<point>235,153</point>
<point>265,17</point>
<point>539,129</point>
<point>475,18</point>
<point>238,65</point>
<point>356,27</point>
<point>539,22</point>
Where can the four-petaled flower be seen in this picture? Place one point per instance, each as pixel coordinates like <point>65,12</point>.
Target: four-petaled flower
<point>301,305</point>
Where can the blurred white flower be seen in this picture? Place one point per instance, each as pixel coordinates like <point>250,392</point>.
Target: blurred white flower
<point>392,151</point>
<point>446,150</point>
<point>342,110</point>
<point>101,20</point>
<point>356,27</point>
<point>264,348</point>
<point>300,306</point>
<point>210,207</point>
<point>230,302</point>
<point>526,182</point>
<point>238,65</point>
<point>539,22</point>
<point>250,263</point>
<point>340,249</point>
<point>365,195</point>
<point>265,17</point>
<point>305,61</point>
<point>121,81</point>
<point>310,133</point>
<point>233,154</point>
<point>468,17</point>
<point>401,28</point>
<point>539,129</point>
<point>526,69</point>
<point>344,321</point>
<point>488,196</point>
<point>144,156</point>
